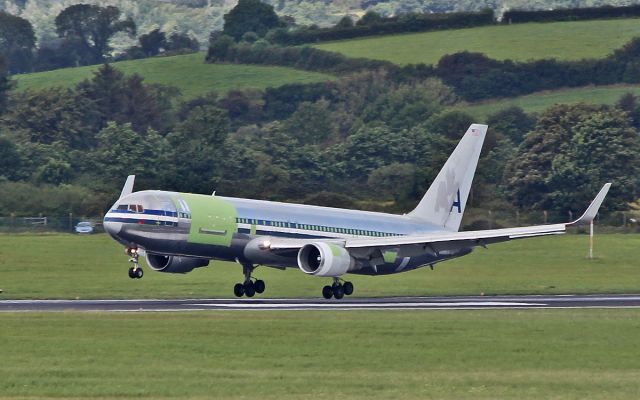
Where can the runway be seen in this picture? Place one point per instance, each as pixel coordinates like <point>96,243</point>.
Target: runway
<point>352,303</point>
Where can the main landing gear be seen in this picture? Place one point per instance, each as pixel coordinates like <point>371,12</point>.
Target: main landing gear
<point>136,271</point>
<point>249,287</point>
<point>337,290</point>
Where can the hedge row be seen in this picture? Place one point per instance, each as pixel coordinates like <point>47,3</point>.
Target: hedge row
<point>474,76</point>
<point>386,26</point>
<point>571,14</point>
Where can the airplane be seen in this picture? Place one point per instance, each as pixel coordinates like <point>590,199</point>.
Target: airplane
<point>179,232</point>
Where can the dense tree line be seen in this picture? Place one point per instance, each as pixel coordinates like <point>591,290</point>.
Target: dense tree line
<point>365,140</point>
<point>373,23</point>
<point>474,76</point>
<point>571,14</point>
<point>84,38</point>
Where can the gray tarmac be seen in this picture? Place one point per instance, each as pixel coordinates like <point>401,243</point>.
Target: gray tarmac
<point>350,303</point>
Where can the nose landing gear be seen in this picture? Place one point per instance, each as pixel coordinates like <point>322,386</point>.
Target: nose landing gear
<point>136,271</point>
<point>337,290</point>
<point>249,287</point>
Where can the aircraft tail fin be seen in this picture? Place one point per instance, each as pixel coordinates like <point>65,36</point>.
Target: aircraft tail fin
<point>444,203</point>
<point>128,186</point>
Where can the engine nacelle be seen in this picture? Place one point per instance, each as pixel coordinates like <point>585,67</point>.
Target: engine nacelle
<point>174,264</point>
<point>324,259</point>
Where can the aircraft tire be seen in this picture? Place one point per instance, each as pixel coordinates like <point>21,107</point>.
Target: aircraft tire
<point>259,285</point>
<point>327,292</point>
<point>139,273</point>
<point>338,292</point>
<point>249,289</point>
<point>238,290</point>
<point>348,288</point>
<point>132,273</point>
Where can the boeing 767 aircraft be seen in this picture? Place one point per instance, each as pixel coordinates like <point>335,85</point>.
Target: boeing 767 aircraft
<point>178,232</point>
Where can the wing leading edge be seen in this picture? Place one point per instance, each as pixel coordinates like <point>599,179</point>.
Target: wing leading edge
<point>455,239</point>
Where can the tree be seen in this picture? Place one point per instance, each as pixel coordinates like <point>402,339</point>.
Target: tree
<point>250,16</point>
<point>115,97</point>
<point>182,41</point>
<point>122,151</point>
<point>92,27</point>
<point>345,22</point>
<point>199,149</point>
<point>5,85</point>
<point>17,42</point>
<point>572,151</point>
<point>512,122</point>
<point>10,160</point>
<point>51,116</point>
<point>152,42</point>
<point>396,181</point>
<point>370,18</point>
<point>311,123</point>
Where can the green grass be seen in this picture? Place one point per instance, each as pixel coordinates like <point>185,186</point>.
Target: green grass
<point>530,354</point>
<point>538,102</point>
<point>187,72</point>
<point>521,42</point>
<point>67,266</point>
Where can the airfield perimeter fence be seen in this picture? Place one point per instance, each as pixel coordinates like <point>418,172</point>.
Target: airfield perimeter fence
<point>475,219</point>
<point>44,223</point>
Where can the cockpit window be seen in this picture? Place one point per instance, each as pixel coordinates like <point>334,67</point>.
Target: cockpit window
<point>123,207</point>
<point>136,208</point>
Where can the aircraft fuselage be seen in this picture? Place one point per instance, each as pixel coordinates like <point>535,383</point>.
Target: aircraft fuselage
<point>223,228</point>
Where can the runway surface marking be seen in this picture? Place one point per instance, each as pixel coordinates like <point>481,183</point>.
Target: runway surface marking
<point>349,303</point>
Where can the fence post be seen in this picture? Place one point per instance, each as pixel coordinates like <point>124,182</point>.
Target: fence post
<point>545,216</point>
<point>490,219</point>
<point>13,221</point>
<point>517,217</point>
<point>570,216</point>
<point>71,222</point>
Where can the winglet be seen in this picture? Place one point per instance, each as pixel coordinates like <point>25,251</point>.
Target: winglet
<point>592,211</point>
<point>128,186</point>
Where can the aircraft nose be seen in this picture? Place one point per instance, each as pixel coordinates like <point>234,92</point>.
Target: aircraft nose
<point>111,227</point>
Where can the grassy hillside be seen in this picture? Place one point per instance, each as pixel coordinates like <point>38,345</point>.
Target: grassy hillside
<point>538,102</point>
<point>542,265</point>
<point>561,40</point>
<point>187,72</point>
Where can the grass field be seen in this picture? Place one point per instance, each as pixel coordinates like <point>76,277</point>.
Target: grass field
<point>67,266</point>
<point>521,42</point>
<point>187,72</point>
<point>531,354</point>
<point>538,102</point>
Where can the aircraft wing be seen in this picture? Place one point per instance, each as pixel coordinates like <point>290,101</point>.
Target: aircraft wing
<point>440,240</point>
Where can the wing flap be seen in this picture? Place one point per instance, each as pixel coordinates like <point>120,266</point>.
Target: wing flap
<point>495,235</point>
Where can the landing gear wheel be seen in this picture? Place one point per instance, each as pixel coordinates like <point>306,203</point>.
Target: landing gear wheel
<point>338,291</point>
<point>132,273</point>
<point>249,289</point>
<point>348,288</point>
<point>139,273</point>
<point>327,292</point>
<point>238,290</point>
<point>259,286</point>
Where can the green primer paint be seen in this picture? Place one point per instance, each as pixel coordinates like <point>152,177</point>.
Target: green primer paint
<point>253,229</point>
<point>213,221</point>
<point>390,256</point>
<point>335,250</point>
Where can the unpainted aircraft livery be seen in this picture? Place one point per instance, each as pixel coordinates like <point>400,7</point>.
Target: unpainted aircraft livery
<point>178,232</point>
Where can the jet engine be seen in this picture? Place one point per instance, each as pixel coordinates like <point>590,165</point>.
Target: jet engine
<point>174,264</point>
<point>324,259</point>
